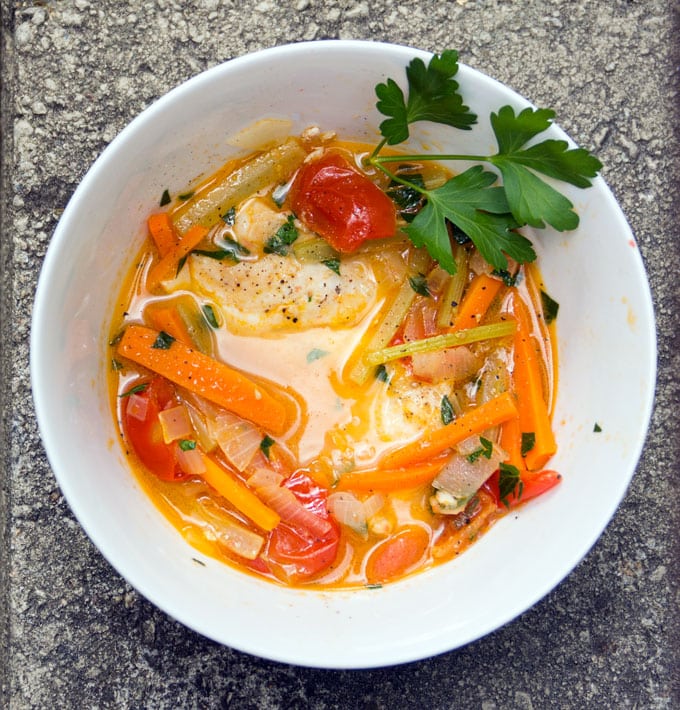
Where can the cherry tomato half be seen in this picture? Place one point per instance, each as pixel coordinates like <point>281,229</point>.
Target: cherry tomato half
<point>298,554</point>
<point>339,203</point>
<point>142,427</point>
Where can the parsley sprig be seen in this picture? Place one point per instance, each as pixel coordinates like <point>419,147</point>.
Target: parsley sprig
<point>473,201</point>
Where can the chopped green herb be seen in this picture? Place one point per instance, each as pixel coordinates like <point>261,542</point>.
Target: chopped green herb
<point>266,445</point>
<point>180,264</point>
<point>485,449</point>
<point>198,562</point>
<point>285,235</point>
<point>550,308</point>
<point>116,338</point>
<point>597,428</point>
<point>163,341</point>
<point>505,276</point>
<point>446,410</point>
<point>487,213</point>
<point>187,444</point>
<point>229,217</point>
<point>230,249</point>
<point>374,586</point>
<point>528,442</point>
<point>509,482</point>
<point>316,354</point>
<point>408,199</point>
<point>382,374</point>
<point>135,390</point>
<point>333,265</point>
<point>184,197</point>
<point>419,285</point>
<point>116,365</point>
<point>209,313</point>
<point>165,198</point>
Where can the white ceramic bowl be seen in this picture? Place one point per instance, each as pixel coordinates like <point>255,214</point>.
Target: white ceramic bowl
<point>606,356</point>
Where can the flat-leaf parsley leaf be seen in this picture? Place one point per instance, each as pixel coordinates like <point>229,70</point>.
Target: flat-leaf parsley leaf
<point>488,214</point>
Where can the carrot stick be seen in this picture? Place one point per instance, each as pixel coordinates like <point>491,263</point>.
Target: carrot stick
<point>511,443</point>
<point>528,382</point>
<point>433,442</point>
<point>239,496</point>
<point>205,376</point>
<point>169,320</point>
<point>380,479</point>
<point>167,266</point>
<point>162,232</point>
<point>476,301</point>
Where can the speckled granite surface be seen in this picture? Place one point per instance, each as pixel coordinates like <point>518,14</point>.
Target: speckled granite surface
<point>72,633</point>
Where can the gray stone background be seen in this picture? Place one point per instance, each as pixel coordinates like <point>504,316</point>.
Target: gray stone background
<point>73,633</point>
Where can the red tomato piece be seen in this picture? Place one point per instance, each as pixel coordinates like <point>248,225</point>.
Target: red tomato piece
<point>341,204</point>
<point>534,484</point>
<point>294,553</point>
<point>145,434</point>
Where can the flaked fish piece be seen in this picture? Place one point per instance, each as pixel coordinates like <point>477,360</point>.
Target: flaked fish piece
<point>279,293</point>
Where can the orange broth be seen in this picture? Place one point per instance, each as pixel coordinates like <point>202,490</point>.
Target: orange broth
<point>307,349</point>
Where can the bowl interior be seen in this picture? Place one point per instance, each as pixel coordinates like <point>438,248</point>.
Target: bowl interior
<point>606,357</point>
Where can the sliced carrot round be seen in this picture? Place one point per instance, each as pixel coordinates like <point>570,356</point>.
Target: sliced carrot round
<point>396,555</point>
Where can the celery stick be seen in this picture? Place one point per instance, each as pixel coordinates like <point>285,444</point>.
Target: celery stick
<point>454,289</point>
<point>389,322</point>
<point>314,249</point>
<point>440,342</point>
<point>207,206</point>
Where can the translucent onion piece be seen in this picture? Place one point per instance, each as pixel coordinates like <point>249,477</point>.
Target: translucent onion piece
<point>218,525</point>
<point>284,502</point>
<point>175,423</point>
<point>373,504</point>
<point>264,477</point>
<point>462,476</point>
<point>348,510</point>
<point>137,407</point>
<point>201,429</point>
<point>456,364</point>
<point>191,462</point>
<point>239,439</point>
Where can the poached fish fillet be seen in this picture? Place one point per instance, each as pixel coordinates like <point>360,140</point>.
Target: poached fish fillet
<point>279,293</point>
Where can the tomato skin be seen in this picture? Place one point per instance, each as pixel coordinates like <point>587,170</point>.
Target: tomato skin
<point>339,203</point>
<point>296,554</point>
<point>146,436</point>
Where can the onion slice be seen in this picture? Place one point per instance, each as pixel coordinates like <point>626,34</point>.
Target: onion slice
<point>284,502</point>
<point>175,423</point>
<point>239,439</point>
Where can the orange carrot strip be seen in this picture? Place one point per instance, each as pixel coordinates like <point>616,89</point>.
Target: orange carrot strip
<point>169,320</point>
<point>528,382</point>
<point>511,443</point>
<point>205,376</point>
<point>380,479</point>
<point>478,297</point>
<point>239,496</point>
<point>433,442</point>
<point>167,266</point>
<point>162,232</point>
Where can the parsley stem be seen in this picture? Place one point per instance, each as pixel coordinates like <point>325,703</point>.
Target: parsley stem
<point>397,178</point>
<point>377,149</point>
<point>377,159</point>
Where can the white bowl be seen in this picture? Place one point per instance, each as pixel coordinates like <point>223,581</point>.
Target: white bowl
<point>606,357</point>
